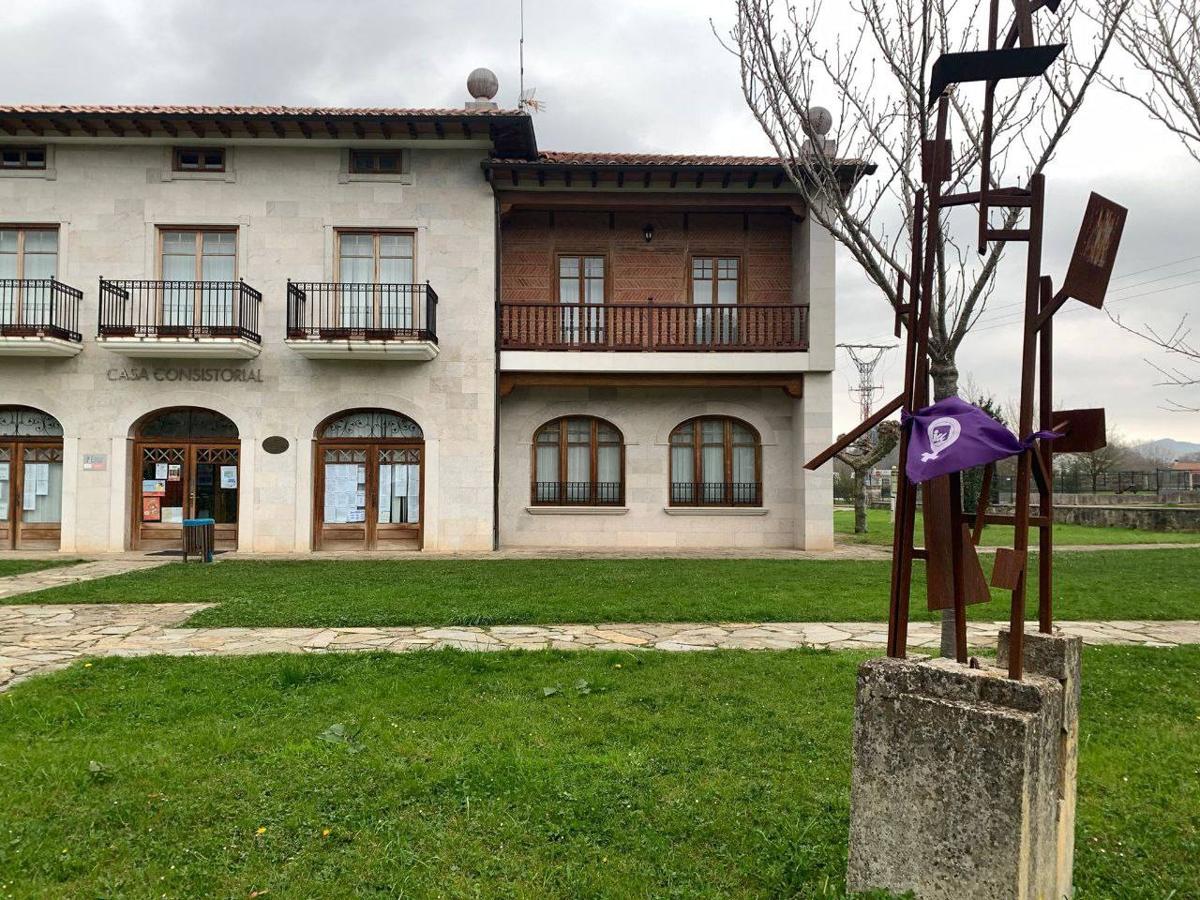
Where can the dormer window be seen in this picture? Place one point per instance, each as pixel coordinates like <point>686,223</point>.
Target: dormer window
<point>198,159</point>
<point>21,157</point>
<point>376,162</point>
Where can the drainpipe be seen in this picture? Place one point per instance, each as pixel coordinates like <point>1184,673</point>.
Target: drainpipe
<point>496,380</point>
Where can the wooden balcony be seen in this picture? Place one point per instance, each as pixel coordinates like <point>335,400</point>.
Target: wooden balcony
<point>653,327</point>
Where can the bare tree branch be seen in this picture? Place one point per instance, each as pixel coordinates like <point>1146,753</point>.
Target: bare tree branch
<point>873,75</point>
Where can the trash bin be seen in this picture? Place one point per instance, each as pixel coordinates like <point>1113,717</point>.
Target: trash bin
<point>198,537</point>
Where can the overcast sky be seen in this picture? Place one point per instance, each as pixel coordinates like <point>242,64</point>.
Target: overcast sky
<point>634,76</point>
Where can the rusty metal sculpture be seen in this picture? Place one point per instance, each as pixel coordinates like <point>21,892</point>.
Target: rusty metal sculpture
<point>954,574</point>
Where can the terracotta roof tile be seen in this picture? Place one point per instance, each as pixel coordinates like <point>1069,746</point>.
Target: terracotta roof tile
<point>561,157</point>
<point>172,110</point>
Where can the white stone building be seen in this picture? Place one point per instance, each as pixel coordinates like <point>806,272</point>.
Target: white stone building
<point>401,329</point>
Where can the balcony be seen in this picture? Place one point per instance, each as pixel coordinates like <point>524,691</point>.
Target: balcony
<point>653,338</point>
<point>650,327</point>
<point>198,319</point>
<point>39,317</point>
<point>362,321</point>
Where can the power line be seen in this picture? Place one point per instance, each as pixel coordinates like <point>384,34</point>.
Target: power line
<point>866,357</point>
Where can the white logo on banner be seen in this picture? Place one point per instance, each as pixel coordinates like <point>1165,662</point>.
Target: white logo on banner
<point>942,434</point>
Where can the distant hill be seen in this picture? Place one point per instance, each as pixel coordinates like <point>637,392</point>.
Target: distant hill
<point>1167,449</point>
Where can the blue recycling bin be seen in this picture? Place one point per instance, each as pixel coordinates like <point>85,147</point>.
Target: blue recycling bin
<point>198,538</point>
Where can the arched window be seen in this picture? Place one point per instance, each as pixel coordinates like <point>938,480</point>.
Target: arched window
<point>578,461</point>
<point>187,423</point>
<point>31,477</point>
<point>369,481</point>
<point>371,423</point>
<point>715,461</point>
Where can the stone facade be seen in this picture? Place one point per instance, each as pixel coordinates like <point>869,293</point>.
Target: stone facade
<point>286,203</point>
<point>287,200</point>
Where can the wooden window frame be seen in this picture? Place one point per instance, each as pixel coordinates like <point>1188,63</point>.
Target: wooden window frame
<point>23,164</point>
<point>177,160</point>
<point>697,446</point>
<point>714,258</point>
<point>354,161</point>
<point>199,232</point>
<point>594,444</point>
<point>21,231</point>
<point>375,233</point>
<point>581,279</point>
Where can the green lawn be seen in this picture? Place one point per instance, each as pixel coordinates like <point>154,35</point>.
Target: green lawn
<point>718,775</point>
<point>879,533</point>
<point>324,593</point>
<point>21,566</point>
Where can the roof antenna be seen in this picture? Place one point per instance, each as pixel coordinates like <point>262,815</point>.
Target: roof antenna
<point>526,100</point>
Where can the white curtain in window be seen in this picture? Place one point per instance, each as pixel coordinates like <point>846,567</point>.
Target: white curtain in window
<point>8,269</point>
<point>682,474</point>
<point>178,264</point>
<point>608,464</point>
<point>547,471</point>
<point>579,463</point>
<point>5,483</point>
<point>43,492</point>
<point>41,262</point>
<point>217,264</point>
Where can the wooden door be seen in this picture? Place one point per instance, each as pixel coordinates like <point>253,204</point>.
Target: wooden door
<point>180,480</point>
<point>368,495</point>
<point>37,517</point>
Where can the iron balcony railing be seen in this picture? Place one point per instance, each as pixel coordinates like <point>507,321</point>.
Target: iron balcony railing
<point>39,307</point>
<point>650,326</point>
<point>578,493</point>
<point>379,312</point>
<point>191,309</point>
<point>716,493</point>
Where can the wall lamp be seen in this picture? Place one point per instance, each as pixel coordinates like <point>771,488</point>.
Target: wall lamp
<point>648,232</point>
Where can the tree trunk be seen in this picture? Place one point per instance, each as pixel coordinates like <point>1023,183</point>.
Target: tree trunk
<point>860,501</point>
<point>945,384</point>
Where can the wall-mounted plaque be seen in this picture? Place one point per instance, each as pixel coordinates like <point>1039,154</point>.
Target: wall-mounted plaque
<point>95,462</point>
<point>275,444</point>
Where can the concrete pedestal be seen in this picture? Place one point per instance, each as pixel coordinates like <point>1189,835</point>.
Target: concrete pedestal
<point>964,781</point>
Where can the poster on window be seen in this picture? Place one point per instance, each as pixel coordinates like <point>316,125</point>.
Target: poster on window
<point>172,515</point>
<point>3,471</point>
<point>228,478</point>
<point>152,509</point>
<point>153,488</point>
<point>160,471</point>
<point>174,472</point>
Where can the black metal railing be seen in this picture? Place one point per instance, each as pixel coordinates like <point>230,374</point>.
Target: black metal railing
<point>379,312</point>
<point>578,493</point>
<point>36,307</point>
<point>652,326</point>
<point>179,309</point>
<point>710,493</point>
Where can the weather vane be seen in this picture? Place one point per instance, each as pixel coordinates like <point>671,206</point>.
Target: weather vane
<point>941,440</point>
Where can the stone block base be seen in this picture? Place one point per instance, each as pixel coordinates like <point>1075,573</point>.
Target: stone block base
<point>964,781</point>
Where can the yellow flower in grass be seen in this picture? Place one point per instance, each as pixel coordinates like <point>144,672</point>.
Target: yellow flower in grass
<point>262,829</point>
<point>325,832</point>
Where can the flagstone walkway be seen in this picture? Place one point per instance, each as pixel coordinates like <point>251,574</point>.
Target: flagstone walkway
<point>70,574</point>
<point>39,638</point>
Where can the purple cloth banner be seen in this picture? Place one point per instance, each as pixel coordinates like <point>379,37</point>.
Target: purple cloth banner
<point>952,435</point>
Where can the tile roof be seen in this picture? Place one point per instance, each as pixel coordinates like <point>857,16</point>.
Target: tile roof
<point>573,158</point>
<point>174,110</point>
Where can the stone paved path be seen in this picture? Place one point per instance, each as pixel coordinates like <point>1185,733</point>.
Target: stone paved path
<point>85,571</point>
<point>35,638</point>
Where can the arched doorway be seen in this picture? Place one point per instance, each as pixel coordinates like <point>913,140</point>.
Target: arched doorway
<point>368,493</point>
<point>186,466</point>
<point>31,470</point>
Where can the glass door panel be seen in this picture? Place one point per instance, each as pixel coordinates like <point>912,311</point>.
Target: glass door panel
<point>41,503</point>
<point>163,488</point>
<point>215,480</point>
<point>399,479</point>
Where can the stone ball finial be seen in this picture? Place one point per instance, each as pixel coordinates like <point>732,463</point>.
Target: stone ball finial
<point>820,120</point>
<point>482,84</point>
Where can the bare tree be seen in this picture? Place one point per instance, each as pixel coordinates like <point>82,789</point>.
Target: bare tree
<point>861,457</point>
<point>1098,464</point>
<point>873,72</point>
<point>1180,347</point>
<point>1163,37</point>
